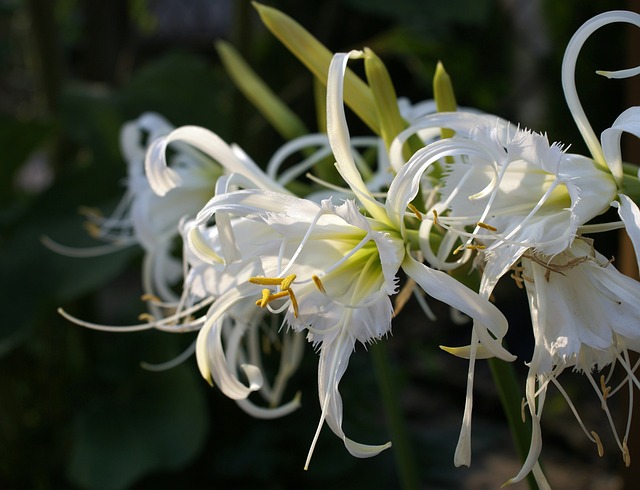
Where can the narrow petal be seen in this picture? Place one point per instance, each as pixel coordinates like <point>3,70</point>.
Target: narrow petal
<point>334,360</point>
<point>163,178</point>
<point>445,288</point>
<point>338,134</point>
<point>630,215</point>
<point>627,122</point>
<point>569,69</point>
<point>210,353</point>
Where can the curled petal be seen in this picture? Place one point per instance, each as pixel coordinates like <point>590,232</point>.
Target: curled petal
<point>162,178</point>
<point>630,216</point>
<point>569,68</point>
<point>445,288</point>
<point>627,122</point>
<point>334,359</point>
<point>210,354</point>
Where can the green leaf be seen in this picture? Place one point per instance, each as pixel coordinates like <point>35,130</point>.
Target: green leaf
<point>283,119</point>
<point>120,437</point>
<point>317,58</point>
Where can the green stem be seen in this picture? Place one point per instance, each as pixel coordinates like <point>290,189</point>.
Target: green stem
<point>405,463</point>
<point>510,393</point>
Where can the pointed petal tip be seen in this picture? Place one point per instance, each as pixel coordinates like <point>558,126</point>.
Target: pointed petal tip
<point>464,352</point>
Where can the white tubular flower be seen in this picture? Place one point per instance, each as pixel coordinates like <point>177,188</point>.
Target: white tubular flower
<point>585,316</point>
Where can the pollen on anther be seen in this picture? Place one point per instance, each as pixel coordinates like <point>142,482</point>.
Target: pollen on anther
<point>146,317</point>
<point>286,282</point>
<point>294,302</point>
<point>318,283</point>
<point>598,443</point>
<point>626,456</point>
<point>415,211</point>
<point>262,302</point>
<point>266,281</point>
<point>605,389</point>
<point>92,229</point>
<point>150,297</point>
<point>480,224</point>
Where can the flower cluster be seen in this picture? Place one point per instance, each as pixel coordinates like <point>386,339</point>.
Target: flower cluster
<point>450,188</point>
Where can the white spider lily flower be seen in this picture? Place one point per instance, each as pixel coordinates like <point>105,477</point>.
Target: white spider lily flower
<point>325,266</point>
<point>216,266</point>
<point>584,312</point>
<point>145,218</point>
<point>585,315</point>
<point>329,268</point>
<point>506,191</point>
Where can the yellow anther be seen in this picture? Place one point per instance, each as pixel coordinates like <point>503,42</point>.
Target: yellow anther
<point>415,211</point>
<point>318,283</point>
<point>146,317</point>
<point>266,281</point>
<point>294,302</point>
<point>279,295</point>
<point>599,443</point>
<point>89,212</point>
<point>92,229</point>
<point>266,294</point>
<point>625,453</point>
<point>435,217</point>
<point>286,282</point>
<point>150,297</point>
<point>605,389</point>
<point>475,247</point>
<point>486,226</point>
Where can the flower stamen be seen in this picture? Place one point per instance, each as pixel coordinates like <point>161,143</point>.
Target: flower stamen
<point>285,290</point>
<point>318,283</point>
<point>418,213</point>
<point>598,443</point>
<point>480,224</point>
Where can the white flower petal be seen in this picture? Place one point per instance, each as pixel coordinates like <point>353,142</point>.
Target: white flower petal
<point>163,178</point>
<point>210,354</point>
<point>445,288</point>
<point>338,134</point>
<point>569,68</point>
<point>630,216</point>
<point>627,122</point>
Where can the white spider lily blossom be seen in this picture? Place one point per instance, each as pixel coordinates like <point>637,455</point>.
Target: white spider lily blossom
<point>505,191</point>
<point>585,315</point>
<point>323,265</point>
<point>145,218</point>
<point>328,267</point>
<point>584,312</point>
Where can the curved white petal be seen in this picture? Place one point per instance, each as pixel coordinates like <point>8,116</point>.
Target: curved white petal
<point>569,68</point>
<point>334,359</point>
<point>445,288</point>
<point>163,178</point>
<point>269,413</point>
<point>630,216</point>
<point>627,122</point>
<point>210,354</point>
<point>338,134</point>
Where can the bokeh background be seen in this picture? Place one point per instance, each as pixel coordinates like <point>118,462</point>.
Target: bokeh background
<point>76,409</point>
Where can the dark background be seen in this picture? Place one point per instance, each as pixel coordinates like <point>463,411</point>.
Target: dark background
<point>76,409</point>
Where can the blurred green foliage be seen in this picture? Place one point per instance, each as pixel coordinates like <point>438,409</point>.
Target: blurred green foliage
<point>76,410</point>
